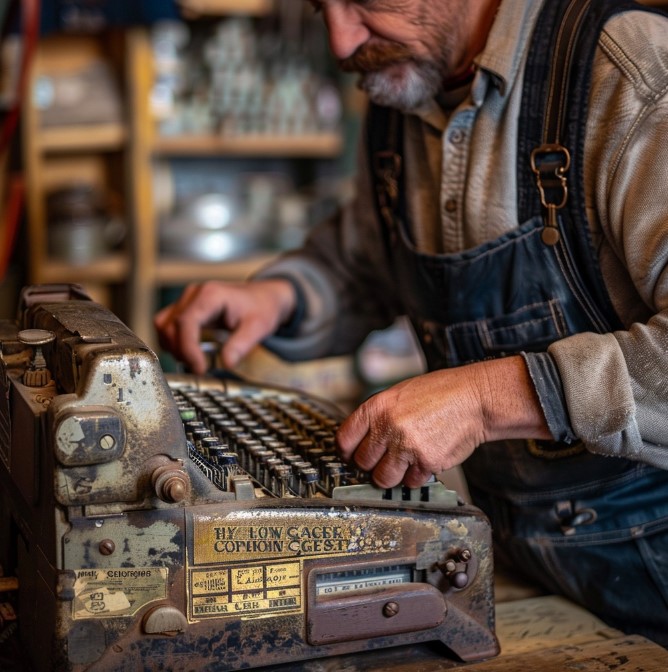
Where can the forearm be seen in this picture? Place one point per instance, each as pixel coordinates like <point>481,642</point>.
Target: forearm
<point>433,422</point>
<point>615,390</point>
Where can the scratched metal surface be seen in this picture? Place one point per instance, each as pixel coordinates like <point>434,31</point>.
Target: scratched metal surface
<point>617,654</point>
<point>402,659</point>
<point>423,658</point>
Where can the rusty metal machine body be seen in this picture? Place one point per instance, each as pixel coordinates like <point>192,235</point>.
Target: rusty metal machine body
<point>189,523</point>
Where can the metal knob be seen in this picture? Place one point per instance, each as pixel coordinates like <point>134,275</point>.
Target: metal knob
<point>171,484</point>
<point>37,375</point>
<point>457,568</point>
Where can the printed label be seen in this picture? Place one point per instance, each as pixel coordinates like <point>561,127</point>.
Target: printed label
<point>248,564</point>
<point>218,540</point>
<point>248,591</point>
<point>112,593</point>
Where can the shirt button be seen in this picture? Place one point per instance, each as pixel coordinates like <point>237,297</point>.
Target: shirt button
<point>451,205</point>
<point>456,136</point>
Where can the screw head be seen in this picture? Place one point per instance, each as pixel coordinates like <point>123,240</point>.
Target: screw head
<point>107,547</point>
<point>450,567</point>
<point>176,489</point>
<point>107,442</point>
<point>390,609</point>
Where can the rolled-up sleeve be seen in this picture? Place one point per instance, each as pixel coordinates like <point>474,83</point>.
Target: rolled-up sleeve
<point>615,385</point>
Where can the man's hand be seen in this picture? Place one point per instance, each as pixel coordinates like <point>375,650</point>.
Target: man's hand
<point>252,311</point>
<point>433,422</point>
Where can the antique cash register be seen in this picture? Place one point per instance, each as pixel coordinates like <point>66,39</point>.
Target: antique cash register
<point>174,522</point>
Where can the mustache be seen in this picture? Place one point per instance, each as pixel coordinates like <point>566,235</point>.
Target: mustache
<point>374,57</point>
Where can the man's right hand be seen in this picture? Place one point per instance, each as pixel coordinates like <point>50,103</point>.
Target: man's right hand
<point>251,311</point>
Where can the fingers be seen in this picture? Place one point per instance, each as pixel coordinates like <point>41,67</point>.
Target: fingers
<point>391,470</point>
<point>352,432</point>
<point>414,429</point>
<point>179,328</point>
<point>251,311</point>
<point>369,440</point>
<point>416,476</point>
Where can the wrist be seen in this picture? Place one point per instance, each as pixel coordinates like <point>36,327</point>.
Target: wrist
<point>509,402</point>
<point>289,298</point>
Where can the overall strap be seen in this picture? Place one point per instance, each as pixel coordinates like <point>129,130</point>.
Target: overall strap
<point>555,104</point>
<point>551,160</point>
<point>552,123</point>
<point>385,145</point>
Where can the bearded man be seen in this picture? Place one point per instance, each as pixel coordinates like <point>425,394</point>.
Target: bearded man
<point>510,203</point>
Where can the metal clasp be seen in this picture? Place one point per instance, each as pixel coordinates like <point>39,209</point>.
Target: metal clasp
<point>550,163</point>
<point>387,167</point>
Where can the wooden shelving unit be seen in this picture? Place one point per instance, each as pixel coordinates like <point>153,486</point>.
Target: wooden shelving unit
<point>322,145</point>
<point>174,272</point>
<point>151,272</point>
<point>99,138</point>
<point>123,154</point>
<point>72,154</point>
<point>227,7</point>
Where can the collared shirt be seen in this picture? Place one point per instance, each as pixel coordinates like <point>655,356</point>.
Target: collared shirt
<point>609,390</point>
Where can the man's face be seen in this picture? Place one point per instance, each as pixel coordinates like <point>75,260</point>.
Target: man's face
<point>403,49</point>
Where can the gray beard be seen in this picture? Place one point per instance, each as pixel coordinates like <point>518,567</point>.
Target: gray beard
<point>417,87</point>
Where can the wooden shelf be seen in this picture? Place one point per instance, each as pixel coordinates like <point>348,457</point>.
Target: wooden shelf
<point>82,138</point>
<point>177,272</point>
<point>117,160</point>
<point>226,7</point>
<point>113,268</point>
<point>66,155</point>
<point>321,145</point>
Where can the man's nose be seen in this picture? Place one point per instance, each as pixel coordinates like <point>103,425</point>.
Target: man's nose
<point>347,31</point>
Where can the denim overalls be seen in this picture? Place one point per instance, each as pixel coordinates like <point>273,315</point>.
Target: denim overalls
<point>592,528</point>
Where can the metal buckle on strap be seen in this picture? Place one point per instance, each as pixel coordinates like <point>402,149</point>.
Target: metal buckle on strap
<point>554,450</point>
<point>550,163</point>
<point>572,517</point>
<point>387,166</point>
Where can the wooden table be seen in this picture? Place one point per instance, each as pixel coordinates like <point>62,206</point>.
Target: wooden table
<point>537,633</point>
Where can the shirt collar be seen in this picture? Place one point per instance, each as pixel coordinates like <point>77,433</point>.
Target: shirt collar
<point>508,41</point>
<point>498,65</point>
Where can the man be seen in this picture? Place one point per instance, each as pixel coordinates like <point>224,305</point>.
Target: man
<point>535,275</point>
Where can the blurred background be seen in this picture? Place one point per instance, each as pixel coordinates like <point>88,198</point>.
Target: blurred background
<point>148,144</point>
